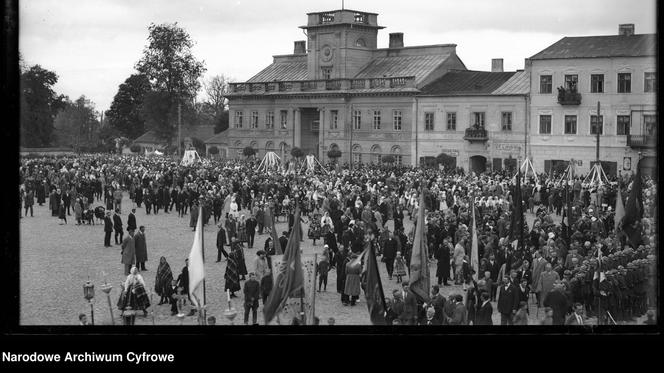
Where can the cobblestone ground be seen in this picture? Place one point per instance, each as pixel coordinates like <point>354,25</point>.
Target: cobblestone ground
<point>56,260</point>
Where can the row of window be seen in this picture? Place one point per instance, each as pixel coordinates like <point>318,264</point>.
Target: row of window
<point>477,120</point>
<point>397,119</point>
<point>597,83</point>
<point>269,119</point>
<point>623,124</point>
<point>377,120</point>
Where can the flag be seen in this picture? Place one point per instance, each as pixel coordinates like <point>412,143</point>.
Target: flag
<point>196,265</point>
<point>634,211</point>
<point>419,260</point>
<point>620,211</point>
<point>275,237</point>
<point>289,277</point>
<point>473,251</point>
<point>373,289</point>
<point>517,214</point>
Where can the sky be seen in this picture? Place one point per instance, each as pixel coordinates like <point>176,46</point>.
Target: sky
<point>93,45</point>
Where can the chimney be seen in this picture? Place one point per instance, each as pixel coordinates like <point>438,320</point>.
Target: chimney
<point>396,40</point>
<point>497,65</point>
<point>300,47</point>
<point>626,29</point>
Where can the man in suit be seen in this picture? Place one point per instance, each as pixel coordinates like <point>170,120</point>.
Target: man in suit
<point>409,315</point>
<point>131,219</point>
<point>283,241</point>
<point>221,242</point>
<point>494,268</point>
<point>557,300</point>
<point>577,317</point>
<point>523,290</point>
<point>460,313</point>
<point>485,311</point>
<point>141,248</point>
<point>539,264</point>
<point>389,254</point>
<point>251,295</point>
<point>438,304</point>
<point>508,301</point>
<point>108,229</point>
<point>117,225</point>
<point>524,272</point>
<point>251,230</point>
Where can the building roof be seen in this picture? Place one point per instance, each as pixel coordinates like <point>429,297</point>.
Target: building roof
<point>600,46</point>
<point>400,66</point>
<point>518,84</point>
<point>282,71</point>
<point>220,138</point>
<point>200,132</point>
<point>467,83</point>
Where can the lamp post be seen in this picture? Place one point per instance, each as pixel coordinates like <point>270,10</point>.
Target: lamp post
<point>106,288</point>
<point>89,294</point>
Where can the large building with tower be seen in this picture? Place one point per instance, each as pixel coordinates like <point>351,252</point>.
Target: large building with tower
<point>338,90</point>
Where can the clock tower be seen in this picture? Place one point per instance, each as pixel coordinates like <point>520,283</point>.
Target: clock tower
<point>340,43</point>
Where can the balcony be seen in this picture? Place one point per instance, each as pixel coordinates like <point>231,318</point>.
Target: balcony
<point>642,141</point>
<point>476,134</point>
<point>568,96</point>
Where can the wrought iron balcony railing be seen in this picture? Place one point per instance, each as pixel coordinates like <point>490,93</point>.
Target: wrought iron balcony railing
<point>476,134</point>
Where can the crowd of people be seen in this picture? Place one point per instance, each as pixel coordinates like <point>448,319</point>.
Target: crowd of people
<point>554,266</point>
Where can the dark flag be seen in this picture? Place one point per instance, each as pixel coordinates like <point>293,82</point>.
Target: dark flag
<point>567,216</point>
<point>289,280</point>
<point>373,289</point>
<point>631,223</point>
<point>517,214</point>
<point>419,260</point>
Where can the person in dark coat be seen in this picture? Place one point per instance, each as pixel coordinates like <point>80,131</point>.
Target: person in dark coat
<point>485,311</point>
<point>341,260</point>
<point>251,295</point>
<point>251,230</point>
<point>283,240</point>
<point>442,255</point>
<point>141,248</point>
<point>236,246</point>
<point>409,315</point>
<point>117,225</point>
<point>331,241</point>
<point>508,301</point>
<point>108,229</point>
<point>557,300</point>
<point>131,219</point>
<point>390,253</point>
<point>266,285</point>
<point>438,303</point>
<point>221,242</point>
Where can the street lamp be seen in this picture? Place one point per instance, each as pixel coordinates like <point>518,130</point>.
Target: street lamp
<point>88,294</point>
<point>231,312</point>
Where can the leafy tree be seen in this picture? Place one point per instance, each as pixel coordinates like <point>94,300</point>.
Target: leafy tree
<point>198,144</point>
<point>135,148</point>
<point>39,105</point>
<point>125,110</point>
<point>174,74</point>
<point>213,150</point>
<point>334,154</point>
<point>297,153</point>
<point>388,159</point>
<point>77,125</point>
<point>221,121</point>
<point>248,151</point>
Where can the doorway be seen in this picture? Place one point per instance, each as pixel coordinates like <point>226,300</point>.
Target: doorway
<point>477,164</point>
<point>309,128</point>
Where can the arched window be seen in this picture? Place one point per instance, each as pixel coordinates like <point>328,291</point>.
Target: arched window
<point>360,43</point>
<point>284,148</point>
<point>269,146</point>
<point>396,152</point>
<point>357,154</point>
<point>238,148</point>
<point>376,154</point>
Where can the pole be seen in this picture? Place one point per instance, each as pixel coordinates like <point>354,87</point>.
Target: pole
<point>352,123</point>
<point>597,129</point>
<point>200,216</point>
<point>313,290</point>
<point>92,313</point>
<point>179,127</point>
<point>110,308</point>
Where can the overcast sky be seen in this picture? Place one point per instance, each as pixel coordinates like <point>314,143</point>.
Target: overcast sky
<point>93,45</point>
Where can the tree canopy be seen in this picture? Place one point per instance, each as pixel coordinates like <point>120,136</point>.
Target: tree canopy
<point>124,114</point>
<point>39,106</point>
<point>77,125</point>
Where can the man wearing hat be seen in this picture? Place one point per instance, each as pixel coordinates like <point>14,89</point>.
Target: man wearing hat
<point>128,251</point>
<point>131,219</point>
<point>108,229</point>
<point>251,295</point>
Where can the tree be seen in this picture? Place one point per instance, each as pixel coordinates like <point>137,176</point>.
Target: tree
<point>334,154</point>
<point>39,106</point>
<point>248,151</point>
<point>173,72</point>
<point>297,153</point>
<point>221,121</point>
<point>77,125</point>
<point>125,110</point>
<point>216,89</point>
<point>135,148</point>
<point>213,150</point>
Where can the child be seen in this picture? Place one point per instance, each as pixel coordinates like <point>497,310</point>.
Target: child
<point>322,268</point>
<point>399,267</point>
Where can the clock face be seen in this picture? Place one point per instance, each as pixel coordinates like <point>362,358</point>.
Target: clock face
<point>326,53</point>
